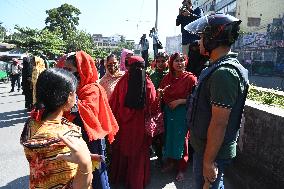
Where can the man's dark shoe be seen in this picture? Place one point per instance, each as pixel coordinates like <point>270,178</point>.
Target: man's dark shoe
<point>11,91</point>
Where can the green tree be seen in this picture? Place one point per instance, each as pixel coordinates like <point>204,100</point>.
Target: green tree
<point>79,40</point>
<point>2,31</point>
<point>123,45</point>
<point>100,53</point>
<point>38,41</point>
<point>122,39</point>
<point>126,45</point>
<point>50,43</point>
<point>64,18</point>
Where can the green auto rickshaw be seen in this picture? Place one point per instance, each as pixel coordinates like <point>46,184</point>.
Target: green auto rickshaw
<point>5,68</point>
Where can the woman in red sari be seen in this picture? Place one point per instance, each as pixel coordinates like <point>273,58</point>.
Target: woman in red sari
<point>131,100</point>
<point>175,87</point>
<point>92,113</point>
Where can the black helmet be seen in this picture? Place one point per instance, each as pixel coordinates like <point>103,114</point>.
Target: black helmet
<point>218,29</point>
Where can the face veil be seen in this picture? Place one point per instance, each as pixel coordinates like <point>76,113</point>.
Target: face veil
<point>136,93</point>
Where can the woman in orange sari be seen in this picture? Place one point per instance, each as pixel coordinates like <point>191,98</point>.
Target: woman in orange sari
<point>92,113</point>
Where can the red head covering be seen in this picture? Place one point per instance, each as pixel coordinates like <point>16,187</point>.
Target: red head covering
<point>86,68</point>
<point>177,87</point>
<point>134,59</point>
<point>92,101</point>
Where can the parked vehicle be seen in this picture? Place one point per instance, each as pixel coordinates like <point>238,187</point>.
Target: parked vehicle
<point>15,53</point>
<point>5,68</point>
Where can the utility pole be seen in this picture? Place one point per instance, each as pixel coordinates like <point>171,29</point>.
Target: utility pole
<point>156,22</point>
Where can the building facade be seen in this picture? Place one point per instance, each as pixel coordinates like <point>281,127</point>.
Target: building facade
<point>261,41</point>
<point>173,44</point>
<point>106,42</point>
<point>206,5</point>
<point>256,15</point>
<point>262,37</point>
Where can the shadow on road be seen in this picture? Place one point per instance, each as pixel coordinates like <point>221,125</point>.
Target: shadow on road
<point>19,183</point>
<point>12,118</point>
<point>12,102</point>
<point>10,94</point>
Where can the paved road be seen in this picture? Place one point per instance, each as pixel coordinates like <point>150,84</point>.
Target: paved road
<point>13,165</point>
<point>14,169</point>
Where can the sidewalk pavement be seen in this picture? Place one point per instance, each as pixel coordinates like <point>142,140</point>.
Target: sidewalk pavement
<point>14,168</point>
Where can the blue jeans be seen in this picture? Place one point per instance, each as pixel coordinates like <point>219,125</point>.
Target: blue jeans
<point>198,172</point>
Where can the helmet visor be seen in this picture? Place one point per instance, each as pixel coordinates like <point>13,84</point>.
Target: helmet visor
<point>197,26</point>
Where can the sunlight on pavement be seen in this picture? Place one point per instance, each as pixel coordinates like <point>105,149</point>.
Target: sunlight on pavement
<point>170,186</point>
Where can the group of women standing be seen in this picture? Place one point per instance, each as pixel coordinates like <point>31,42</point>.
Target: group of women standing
<point>133,94</point>
<point>114,108</point>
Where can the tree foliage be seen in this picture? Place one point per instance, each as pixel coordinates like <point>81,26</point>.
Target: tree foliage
<point>38,41</point>
<point>79,40</point>
<point>126,44</point>
<point>64,18</point>
<point>123,44</point>
<point>2,31</point>
<point>101,53</point>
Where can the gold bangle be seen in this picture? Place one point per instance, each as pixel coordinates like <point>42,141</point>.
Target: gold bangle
<point>84,173</point>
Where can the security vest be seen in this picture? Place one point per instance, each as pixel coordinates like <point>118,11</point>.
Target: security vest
<point>199,106</point>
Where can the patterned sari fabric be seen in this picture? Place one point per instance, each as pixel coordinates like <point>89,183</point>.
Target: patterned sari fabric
<point>109,82</point>
<point>41,146</point>
<point>38,67</point>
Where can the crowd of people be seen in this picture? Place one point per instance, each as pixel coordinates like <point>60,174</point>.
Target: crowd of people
<point>93,128</point>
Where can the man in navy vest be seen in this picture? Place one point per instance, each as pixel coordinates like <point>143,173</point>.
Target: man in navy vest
<point>216,105</point>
